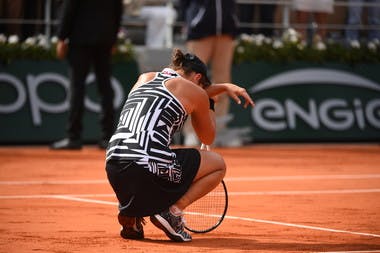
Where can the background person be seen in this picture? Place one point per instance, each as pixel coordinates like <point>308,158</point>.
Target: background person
<point>211,27</point>
<point>87,33</point>
<point>354,13</point>
<point>159,17</point>
<point>148,176</point>
<point>306,10</point>
<point>246,14</point>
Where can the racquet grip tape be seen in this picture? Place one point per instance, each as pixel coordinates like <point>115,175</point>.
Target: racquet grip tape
<point>205,147</point>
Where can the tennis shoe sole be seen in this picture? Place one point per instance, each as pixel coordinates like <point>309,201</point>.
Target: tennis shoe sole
<point>164,225</point>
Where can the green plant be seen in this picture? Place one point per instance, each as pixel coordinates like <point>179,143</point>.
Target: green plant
<point>288,48</point>
<point>40,48</point>
<point>249,48</point>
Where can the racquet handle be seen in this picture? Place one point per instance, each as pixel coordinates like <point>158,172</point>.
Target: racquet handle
<point>205,147</point>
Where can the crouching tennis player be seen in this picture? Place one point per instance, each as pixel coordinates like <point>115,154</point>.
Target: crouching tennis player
<point>148,176</point>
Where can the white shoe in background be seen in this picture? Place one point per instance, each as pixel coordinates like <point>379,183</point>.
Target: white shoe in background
<point>191,139</point>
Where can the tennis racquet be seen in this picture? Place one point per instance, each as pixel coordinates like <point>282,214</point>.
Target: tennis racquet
<point>207,213</point>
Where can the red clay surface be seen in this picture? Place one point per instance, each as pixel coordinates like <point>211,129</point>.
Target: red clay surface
<point>283,198</point>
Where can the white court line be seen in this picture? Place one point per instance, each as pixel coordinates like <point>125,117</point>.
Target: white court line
<point>356,251</point>
<point>53,182</point>
<point>301,226</point>
<point>227,217</point>
<point>62,196</point>
<point>85,200</point>
<point>228,179</point>
<point>303,177</point>
<point>342,191</point>
<point>73,198</point>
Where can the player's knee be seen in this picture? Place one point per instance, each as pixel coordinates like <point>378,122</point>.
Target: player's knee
<point>213,162</point>
<point>221,165</point>
<point>224,169</point>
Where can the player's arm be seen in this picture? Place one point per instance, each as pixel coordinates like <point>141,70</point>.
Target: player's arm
<point>233,90</point>
<point>203,118</point>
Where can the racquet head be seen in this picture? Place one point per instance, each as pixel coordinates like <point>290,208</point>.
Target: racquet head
<point>207,213</point>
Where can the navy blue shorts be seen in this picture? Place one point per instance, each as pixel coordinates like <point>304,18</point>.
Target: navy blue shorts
<point>141,193</point>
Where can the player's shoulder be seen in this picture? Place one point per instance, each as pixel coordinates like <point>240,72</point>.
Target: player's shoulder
<point>185,85</point>
<point>143,78</point>
<point>147,76</point>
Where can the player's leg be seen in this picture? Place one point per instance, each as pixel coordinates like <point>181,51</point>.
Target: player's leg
<point>132,227</point>
<point>210,173</point>
<point>122,177</point>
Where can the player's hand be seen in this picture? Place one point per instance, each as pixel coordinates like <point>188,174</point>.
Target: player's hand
<point>235,92</point>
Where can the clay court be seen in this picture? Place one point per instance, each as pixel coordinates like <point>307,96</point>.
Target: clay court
<point>282,198</point>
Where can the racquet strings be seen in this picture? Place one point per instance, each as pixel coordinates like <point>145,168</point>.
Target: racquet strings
<point>207,212</point>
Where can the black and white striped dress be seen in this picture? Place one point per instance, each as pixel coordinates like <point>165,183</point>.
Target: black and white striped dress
<point>150,117</point>
<point>145,173</point>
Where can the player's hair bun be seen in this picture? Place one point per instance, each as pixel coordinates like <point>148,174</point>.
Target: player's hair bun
<point>178,58</point>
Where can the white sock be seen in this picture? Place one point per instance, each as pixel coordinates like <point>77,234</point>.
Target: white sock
<point>175,210</point>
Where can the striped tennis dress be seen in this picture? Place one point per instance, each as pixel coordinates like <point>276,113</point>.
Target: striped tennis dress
<point>140,145</point>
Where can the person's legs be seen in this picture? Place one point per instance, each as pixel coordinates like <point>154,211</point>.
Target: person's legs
<point>203,49</point>
<point>210,173</point>
<point>102,68</point>
<point>79,66</point>
<point>221,62</point>
<point>221,59</point>
<point>321,19</point>
<point>267,12</point>
<point>159,25</point>
<point>217,51</point>
<point>374,20</point>
<point>302,18</point>
<point>353,18</point>
<point>245,14</point>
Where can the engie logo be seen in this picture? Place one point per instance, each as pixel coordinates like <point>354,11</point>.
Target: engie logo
<point>29,91</point>
<point>343,101</point>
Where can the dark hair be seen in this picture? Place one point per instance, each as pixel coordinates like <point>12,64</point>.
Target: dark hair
<point>189,63</point>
